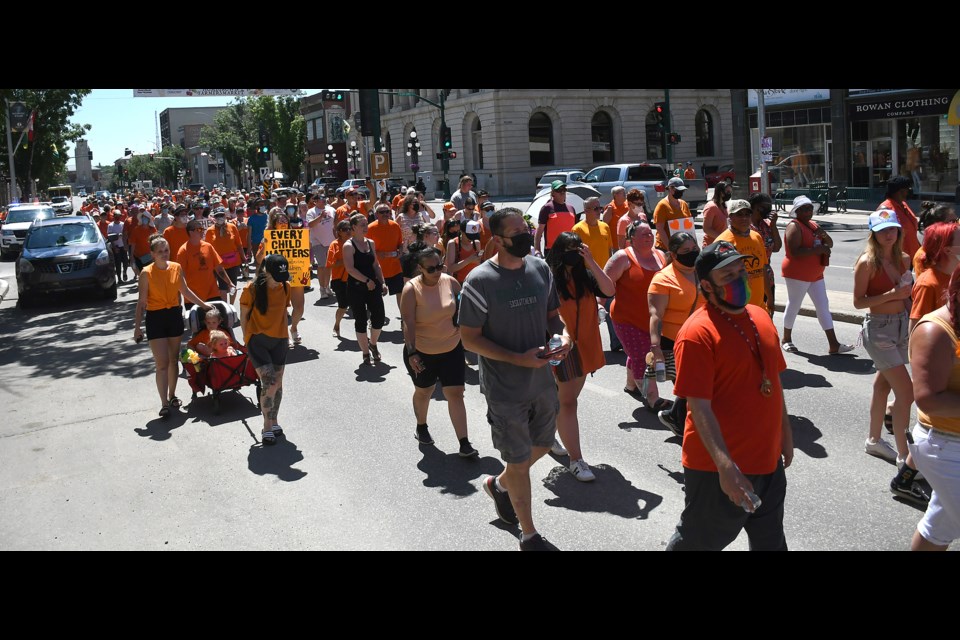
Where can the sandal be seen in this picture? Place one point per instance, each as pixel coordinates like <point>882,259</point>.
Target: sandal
<point>789,347</point>
<point>375,352</point>
<point>366,358</point>
<point>658,406</point>
<point>636,393</point>
<point>175,402</point>
<point>888,423</point>
<point>267,437</point>
<point>164,411</point>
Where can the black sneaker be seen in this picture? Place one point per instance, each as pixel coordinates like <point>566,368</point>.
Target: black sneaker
<point>911,492</point>
<point>501,501</point>
<point>536,543</point>
<point>423,435</point>
<point>467,450</point>
<point>666,417</point>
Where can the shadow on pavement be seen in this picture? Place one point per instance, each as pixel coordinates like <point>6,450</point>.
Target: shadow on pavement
<point>393,337</point>
<point>375,372</point>
<point>277,459</point>
<point>88,339</point>
<point>235,405</point>
<point>676,476</point>
<point>300,353</point>
<point>159,429</point>
<point>346,344</point>
<point>805,435</point>
<point>845,363</point>
<point>643,419</point>
<point>793,379</point>
<point>453,474</point>
<point>609,493</point>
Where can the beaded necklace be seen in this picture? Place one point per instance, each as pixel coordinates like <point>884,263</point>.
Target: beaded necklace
<point>766,387</point>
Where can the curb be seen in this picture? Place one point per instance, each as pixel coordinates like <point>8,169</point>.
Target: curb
<point>838,316</point>
<point>4,287</point>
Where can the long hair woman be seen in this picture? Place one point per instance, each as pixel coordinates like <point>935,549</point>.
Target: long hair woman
<point>432,347</point>
<point>715,213</point>
<point>263,317</point>
<point>279,219</point>
<point>365,287</point>
<point>882,284</point>
<point>160,286</point>
<point>411,214</point>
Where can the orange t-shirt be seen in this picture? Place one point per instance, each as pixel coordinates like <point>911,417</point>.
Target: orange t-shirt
<point>715,363</point>
<point>928,292</point>
<point>682,297</point>
<point>363,206</point>
<point>580,316</point>
<point>274,322</point>
<point>665,213</point>
<point>397,201</point>
<point>244,231</point>
<point>615,213</point>
<point>176,238</point>
<point>387,238</point>
<point>630,305</point>
<point>335,254</point>
<point>199,264</point>
<point>228,244</point>
<point>140,239</point>
<point>163,286</point>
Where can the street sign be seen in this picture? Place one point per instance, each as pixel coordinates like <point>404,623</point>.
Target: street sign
<point>766,148</point>
<point>380,165</point>
<point>263,173</point>
<point>19,117</point>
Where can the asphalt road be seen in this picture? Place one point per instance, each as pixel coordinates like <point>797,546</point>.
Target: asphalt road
<point>87,464</point>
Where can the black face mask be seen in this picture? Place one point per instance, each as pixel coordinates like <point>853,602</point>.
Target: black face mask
<point>416,206</point>
<point>678,194</point>
<point>521,245</point>
<point>572,258</point>
<point>727,196</point>
<point>688,259</point>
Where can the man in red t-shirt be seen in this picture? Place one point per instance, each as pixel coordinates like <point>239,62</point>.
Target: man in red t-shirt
<point>737,439</point>
<point>556,216</point>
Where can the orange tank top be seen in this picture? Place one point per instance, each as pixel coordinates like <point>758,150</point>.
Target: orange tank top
<point>949,425</point>
<point>163,288</point>
<point>630,304</point>
<point>879,284</point>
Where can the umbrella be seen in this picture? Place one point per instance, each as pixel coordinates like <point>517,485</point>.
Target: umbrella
<point>533,210</point>
<point>583,190</point>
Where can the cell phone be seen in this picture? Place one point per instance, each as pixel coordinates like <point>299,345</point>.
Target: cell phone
<point>544,355</point>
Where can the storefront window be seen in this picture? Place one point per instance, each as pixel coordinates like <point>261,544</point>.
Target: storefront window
<point>798,155</point>
<point>922,148</point>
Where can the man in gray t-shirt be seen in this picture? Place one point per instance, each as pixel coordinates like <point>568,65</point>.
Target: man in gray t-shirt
<point>508,305</point>
<point>466,191</point>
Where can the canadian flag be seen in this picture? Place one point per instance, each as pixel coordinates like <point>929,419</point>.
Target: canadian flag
<point>30,126</point>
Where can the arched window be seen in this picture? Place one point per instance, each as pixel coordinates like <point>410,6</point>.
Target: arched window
<point>601,132</point>
<point>704,125</point>
<point>656,138</point>
<point>541,140</point>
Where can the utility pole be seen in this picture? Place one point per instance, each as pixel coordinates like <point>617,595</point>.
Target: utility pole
<point>14,197</point>
<point>761,129</point>
<point>669,119</point>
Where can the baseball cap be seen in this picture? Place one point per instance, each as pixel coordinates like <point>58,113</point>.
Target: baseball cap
<point>677,183</point>
<point>219,211</point>
<point>473,227</point>
<point>800,201</point>
<point>351,191</point>
<point>488,205</point>
<point>737,205</point>
<point>714,256</point>
<point>277,266</point>
<point>557,184</point>
<point>449,206</point>
<point>883,219</point>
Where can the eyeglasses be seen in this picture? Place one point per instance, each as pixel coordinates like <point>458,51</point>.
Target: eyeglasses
<point>432,270</point>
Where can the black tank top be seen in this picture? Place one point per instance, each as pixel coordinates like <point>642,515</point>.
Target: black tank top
<point>363,262</point>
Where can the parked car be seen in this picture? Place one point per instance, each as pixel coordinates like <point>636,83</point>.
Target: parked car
<point>82,193</point>
<point>394,184</point>
<point>102,195</point>
<point>61,205</point>
<point>18,222</point>
<point>64,254</point>
<point>649,178</point>
<point>361,186</point>
<point>725,173</point>
<point>567,176</point>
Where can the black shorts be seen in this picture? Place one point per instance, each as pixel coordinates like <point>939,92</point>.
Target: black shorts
<point>264,350</point>
<point>234,273</point>
<point>340,290</point>
<point>394,284</point>
<point>448,367</point>
<point>165,323</point>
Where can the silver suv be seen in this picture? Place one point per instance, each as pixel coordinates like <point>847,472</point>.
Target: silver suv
<point>18,223</point>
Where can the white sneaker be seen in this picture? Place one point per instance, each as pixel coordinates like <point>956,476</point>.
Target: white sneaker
<point>581,471</point>
<point>881,449</point>
<point>557,448</point>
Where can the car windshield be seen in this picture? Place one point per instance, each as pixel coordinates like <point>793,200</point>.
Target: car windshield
<point>62,235</point>
<point>28,215</point>
<point>58,199</point>
<point>646,172</point>
<point>550,177</point>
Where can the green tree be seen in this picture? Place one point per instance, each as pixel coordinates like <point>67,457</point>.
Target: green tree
<point>286,128</point>
<point>234,135</point>
<point>46,157</point>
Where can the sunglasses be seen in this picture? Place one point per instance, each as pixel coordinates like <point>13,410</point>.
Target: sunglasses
<point>432,270</point>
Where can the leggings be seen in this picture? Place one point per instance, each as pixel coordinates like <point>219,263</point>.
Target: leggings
<point>362,299</point>
<point>817,290</point>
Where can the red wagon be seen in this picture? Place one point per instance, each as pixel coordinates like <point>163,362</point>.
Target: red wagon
<point>223,374</point>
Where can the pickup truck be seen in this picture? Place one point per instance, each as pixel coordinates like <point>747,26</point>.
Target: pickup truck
<point>649,178</point>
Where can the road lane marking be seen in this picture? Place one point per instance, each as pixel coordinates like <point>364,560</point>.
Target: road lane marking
<point>601,390</point>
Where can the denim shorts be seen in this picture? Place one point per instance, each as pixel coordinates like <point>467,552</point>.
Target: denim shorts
<point>885,337</point>
<point>937,456</point>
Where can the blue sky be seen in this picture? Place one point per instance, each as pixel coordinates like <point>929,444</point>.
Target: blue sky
<point>119,121</point>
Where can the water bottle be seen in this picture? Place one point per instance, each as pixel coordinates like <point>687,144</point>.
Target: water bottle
<point>555,343</point>
<point>660,368</point>
<point>602,315</point>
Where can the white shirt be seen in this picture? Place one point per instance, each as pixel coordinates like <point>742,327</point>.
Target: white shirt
<point>116,228</point>
<point>322,233</point>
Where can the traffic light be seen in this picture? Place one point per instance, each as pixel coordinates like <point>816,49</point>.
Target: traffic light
<point>660,111</point>
<point>452,155</point>
<point>446,138</point>
<point>332,96</point>
<point>673,138</point>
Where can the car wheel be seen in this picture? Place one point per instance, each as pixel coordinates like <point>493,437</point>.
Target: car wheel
<point>24,301</point>
<point>111,293</point>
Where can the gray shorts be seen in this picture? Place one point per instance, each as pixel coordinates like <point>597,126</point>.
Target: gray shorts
<point>885,337</point>
<point>518,426</point>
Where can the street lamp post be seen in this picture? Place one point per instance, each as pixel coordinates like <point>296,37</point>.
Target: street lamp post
<point>329,159</point>
<point>414,152</point>
<point>353,153</point>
